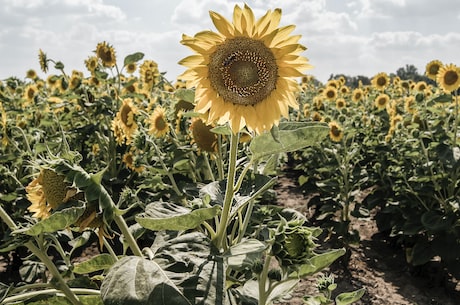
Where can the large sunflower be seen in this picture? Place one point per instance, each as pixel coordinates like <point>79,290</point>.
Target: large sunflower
<point>243,73</point>
<point>448,78</point>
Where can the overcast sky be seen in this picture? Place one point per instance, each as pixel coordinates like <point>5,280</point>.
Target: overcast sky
<point>354,37</point>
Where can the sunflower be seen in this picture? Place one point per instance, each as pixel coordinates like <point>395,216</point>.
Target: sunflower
<point>421,86</point>
<point>47,192</point>
<point>31,73</point>
<point>330,93</point>
<point>380,81</point>
<point>43,61</point>
<point>448,78</point>
<point>149,74</point>
<point>30,92</point>
<point>335,131</point>
<point>92,219</point>
<point>340,103</point>
<point>381,101</point>
<point>75,79</point>
<point>357,95</point>
<point>131,67</point>
<point>410,105</point>
<point>205,139</point>
<point>159,125</point>
<point>91,64</point>
<point>124,124</point>
<point>432,68</point>
<point>106,53</point>
<point>243,74</point>
<point>131,162</point>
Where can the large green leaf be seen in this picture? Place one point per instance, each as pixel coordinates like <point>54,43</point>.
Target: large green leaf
<point>95,263</point>
<point>132,58</point>
<point>244,254</point>
<point>291,136</point>
<point>139,281</point>
<point>317,263</point>
<point>59,220</point>
<point>170,216</point>
<point>183,271</point>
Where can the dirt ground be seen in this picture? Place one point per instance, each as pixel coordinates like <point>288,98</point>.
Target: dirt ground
<point>374,264</point>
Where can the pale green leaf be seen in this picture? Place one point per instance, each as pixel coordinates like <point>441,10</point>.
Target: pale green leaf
<point>95,263</point>
<point>349,297</point>
<point>318,262</point>
<point>169,216</point>
<point>291,136</point>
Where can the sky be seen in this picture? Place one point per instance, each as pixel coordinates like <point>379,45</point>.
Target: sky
<point>351,37</point>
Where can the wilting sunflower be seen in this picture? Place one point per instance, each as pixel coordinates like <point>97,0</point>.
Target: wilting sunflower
<point>448,78</point>
<point>106,53</point>
<point>94,220</point>
<point>205,139</point>
<point>243,74</point>
<point>159,125</point>
<point>432,68</point>
<point>335,131</point>
<point>380,81</point>
<point>381,101</point>
<point>47,192</point>
<point>43,60</point>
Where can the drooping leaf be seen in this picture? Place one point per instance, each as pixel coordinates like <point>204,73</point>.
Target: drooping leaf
<point>170,216</point>
<point>346,298</point>
<point>99,262</point>
<point>59,220</point>
<point>292,136</point>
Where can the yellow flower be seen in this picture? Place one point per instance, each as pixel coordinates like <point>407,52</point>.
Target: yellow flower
<point>91,219</point>
<point>340,103</point>
<point>357,95</point>
<point>159,125</point>
<point>91,63</point>
<point>131,67</point>
<point>380,81</point>
<point>130,162</point>
<point>335,131</point>
<point>149,74</point>
<point>330,93</point>
<point>410,105</point>
<point>448,78</point>
<point>381,101</point>
<point>432,68</point>
<point>106,53</point>
<point>30,92</point>
<point>243,73</point>
<point>125,120</point>
<point>47,192</point>
<point>205,139</point>
<point>421,86</point>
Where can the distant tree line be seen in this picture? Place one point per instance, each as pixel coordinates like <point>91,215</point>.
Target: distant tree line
<point>409,72</point>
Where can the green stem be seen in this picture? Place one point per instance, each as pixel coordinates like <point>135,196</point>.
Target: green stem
<point>220,241</point>
<point>263,281</point>
<point>31,294</point>
<point>120,221</point>
<point>165,168</point>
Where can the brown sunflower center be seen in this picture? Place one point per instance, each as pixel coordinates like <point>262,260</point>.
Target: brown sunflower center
<point>451,77</point>
<point>243,71</point>
<point>433,69</point>
<point>160,123</point>
<point>381,81</point>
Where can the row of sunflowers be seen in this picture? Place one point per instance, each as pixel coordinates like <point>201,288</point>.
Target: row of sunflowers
<point>172,176</point>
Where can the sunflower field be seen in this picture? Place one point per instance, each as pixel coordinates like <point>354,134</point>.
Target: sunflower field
<point>174,182</point>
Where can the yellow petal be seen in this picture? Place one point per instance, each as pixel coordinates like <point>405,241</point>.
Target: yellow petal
<point>191,61</point>
<point>222,24</point>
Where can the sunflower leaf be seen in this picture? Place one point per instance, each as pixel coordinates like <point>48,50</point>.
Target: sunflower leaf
<point>99,262</point>
<point>132,58</point>
<point>169,216</point>
<point>292,136</point>
<point>59,220</point>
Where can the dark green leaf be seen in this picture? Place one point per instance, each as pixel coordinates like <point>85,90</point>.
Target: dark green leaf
<point>132,58</point>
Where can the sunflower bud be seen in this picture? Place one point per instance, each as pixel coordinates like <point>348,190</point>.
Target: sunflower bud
<point>294,246</point>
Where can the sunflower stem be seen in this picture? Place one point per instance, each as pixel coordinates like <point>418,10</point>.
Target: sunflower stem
<point>220,240</point>
<point>121,223</point>
<point>165,168</point>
